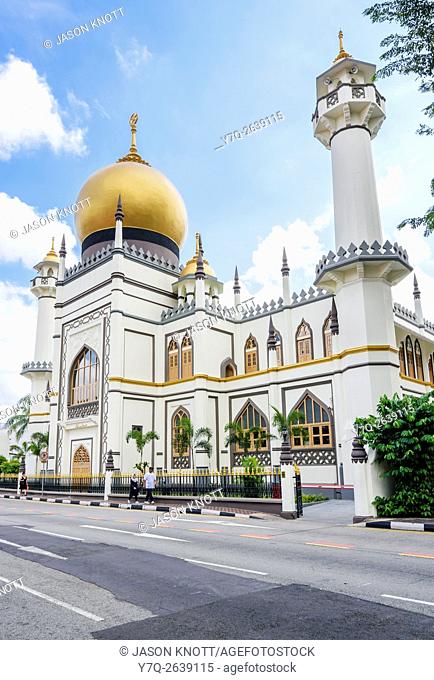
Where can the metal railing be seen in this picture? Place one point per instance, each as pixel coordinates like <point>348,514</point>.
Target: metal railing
<point>232,484</point>
<point>61,484</point>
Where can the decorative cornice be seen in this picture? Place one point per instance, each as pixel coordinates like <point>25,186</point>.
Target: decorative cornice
<point>242,376</point>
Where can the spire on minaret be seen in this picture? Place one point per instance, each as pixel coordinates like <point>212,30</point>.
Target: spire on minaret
<point>272,338</point>
<point>62,251</point>
<point>237,288</point>
<point>334,321</point>
<point>200,272</point>
<point>416,291</point>
<point>342,54</point>
<point>285,268</point>
<point>119,214</point>
<point>417,302</point>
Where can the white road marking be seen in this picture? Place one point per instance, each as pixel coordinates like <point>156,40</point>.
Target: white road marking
<point>226,566</point>
<point>32,549</point>
<point>71,607</point>
<point>9,543</point>
<point>134,533</point>
<point>50,533</point>
<point>39,551</point>
<point>409,599</point>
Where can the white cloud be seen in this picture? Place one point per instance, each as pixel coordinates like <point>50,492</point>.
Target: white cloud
<point>304,249</point>
<point>17,336</point>
<point>29,248</point>
<point>29,113</point>
<point>132,58</point>
<point>81,107</point>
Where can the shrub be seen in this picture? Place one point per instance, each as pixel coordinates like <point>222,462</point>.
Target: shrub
<point>404,445</point>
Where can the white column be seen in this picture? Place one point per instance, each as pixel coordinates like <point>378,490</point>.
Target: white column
<point>357,215</point>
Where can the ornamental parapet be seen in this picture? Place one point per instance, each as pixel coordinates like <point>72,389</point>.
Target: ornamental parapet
<point>32,366</point>
<point>363,253</point>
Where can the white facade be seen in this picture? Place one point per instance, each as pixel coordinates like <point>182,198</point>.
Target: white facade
<point>125,305</point>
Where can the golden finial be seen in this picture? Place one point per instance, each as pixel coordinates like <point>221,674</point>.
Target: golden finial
<point>342,54</point>
<point>52,251</point>
<point>197,243</point>
<point>133,156</point>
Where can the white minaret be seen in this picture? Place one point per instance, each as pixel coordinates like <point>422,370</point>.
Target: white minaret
<point>39,371</point>
<point>237,289</point>
<point>417,302</point>
<point>349,112</point>
<point>285,279</point>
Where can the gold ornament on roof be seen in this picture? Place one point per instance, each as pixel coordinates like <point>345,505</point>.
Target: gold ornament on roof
<point>52,255</point>
<point>190,267</point>
<point>342,54</point>
<point>133,156</point>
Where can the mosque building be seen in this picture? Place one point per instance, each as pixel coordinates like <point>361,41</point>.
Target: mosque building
<point>114,340</point>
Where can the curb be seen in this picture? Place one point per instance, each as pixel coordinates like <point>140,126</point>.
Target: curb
<point>405,526</point>
<point>132,506</point>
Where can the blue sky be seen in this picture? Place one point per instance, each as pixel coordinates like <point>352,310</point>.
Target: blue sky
<point>194,70</point>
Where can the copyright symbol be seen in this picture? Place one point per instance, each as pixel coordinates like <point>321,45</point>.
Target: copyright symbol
<point>48,44</point>
<point>13,233</point>
<point>123,651</point>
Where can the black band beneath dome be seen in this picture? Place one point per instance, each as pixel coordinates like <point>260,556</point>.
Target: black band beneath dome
<point>131,234</point>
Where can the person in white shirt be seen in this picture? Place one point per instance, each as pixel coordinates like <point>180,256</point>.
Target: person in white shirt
<point>150,481</point>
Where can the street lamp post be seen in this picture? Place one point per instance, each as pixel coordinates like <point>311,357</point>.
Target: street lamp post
<point>289,509</point>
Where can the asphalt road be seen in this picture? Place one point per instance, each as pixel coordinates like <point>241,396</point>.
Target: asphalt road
<point>88,572</point>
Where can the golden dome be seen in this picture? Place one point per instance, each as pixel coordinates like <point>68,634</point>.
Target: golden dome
<point>190,267</point>
<point>149,200</point>
<point>51,256</point>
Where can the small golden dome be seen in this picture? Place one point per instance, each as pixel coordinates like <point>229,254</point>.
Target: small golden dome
<point>150,201</point>
<point>190,267</point>
<point>51,256</point>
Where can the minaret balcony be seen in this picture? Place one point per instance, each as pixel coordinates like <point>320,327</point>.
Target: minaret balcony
<point>349,105</point>
<point>389,262</point>
<point>37,367</point>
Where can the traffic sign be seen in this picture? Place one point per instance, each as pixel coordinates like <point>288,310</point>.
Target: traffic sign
<point>43,456</point>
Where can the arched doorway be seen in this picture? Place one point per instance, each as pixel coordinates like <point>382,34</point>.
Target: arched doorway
<point>81,462</point>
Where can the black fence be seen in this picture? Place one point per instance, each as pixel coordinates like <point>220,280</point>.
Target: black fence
<point>230,484</point>
<point>62,484</point>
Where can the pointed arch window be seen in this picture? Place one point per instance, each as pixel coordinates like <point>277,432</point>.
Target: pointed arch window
<point>327,336</point>
<point>173,354</point>
<point>419,362</point>
<point>250,417</point>
<point>430,369</point>
<point>402,367</point>
<point>303,339</point>
<point>177,448</point>
<point>186,358</point>
<point>251,355</point>
<point>410,357</point>
<point>315,424</point>
<point>279,355</point>
<point>84,378</point>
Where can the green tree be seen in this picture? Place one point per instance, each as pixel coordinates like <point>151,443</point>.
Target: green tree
<point>141,440</point>
<point>410,53</point>
<point>38,443</point>
<point>290,423</point>
<point>17,424</point>
<point>11,467</point>
<point>18,451</point>
<point>3,460</point>
<point>236,435</point>
<point>402,436</point>
<point>187,438</point>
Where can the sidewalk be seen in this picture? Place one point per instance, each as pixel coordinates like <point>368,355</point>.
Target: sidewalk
<point>190,504</point>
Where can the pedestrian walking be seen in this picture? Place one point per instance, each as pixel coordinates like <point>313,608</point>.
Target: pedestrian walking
<point>24,485</point>
<point>150,482</point>
<point>134,488</point>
